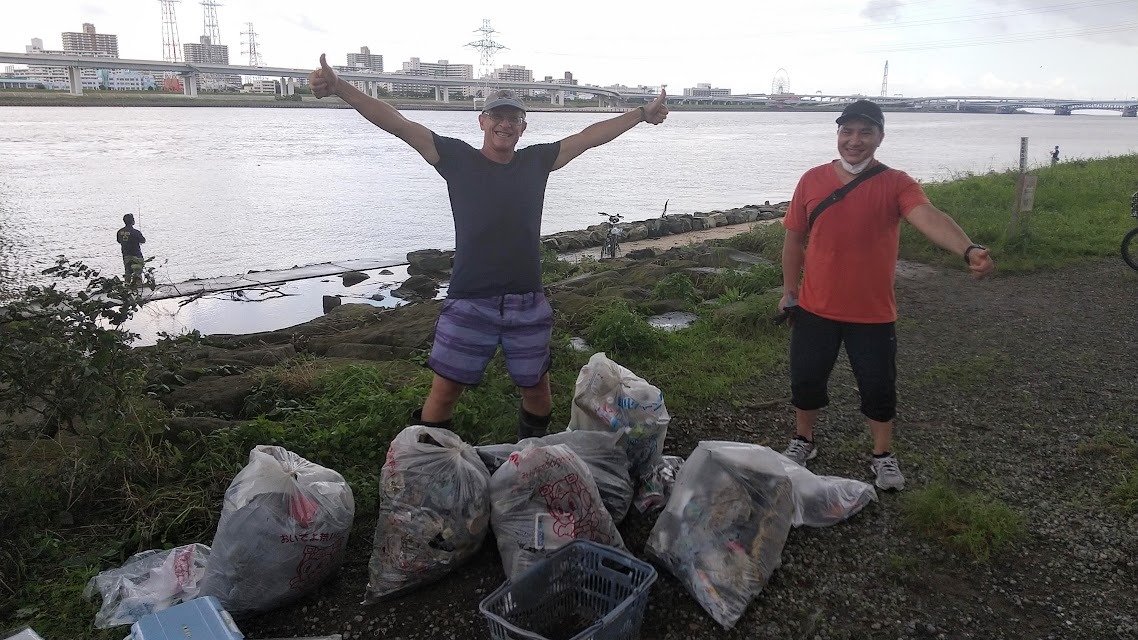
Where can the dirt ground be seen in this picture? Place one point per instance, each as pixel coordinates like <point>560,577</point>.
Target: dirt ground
<point>1000,383</point>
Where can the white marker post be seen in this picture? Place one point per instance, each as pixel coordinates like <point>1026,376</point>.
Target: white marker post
<point>1025,193</point>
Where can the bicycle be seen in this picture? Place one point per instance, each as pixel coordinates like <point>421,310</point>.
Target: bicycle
<point>1130,240</point>
<point>611,246</point>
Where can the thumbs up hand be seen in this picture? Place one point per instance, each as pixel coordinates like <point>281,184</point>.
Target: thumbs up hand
<point>323,81</point>
<point>656,111</point>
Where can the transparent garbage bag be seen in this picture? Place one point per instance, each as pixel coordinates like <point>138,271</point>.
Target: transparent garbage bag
<point>541,499</point>
<point>656,485</point>
<point>724,527</point>
<point>819,501</point>
<point>609,397</point>
<point>283,531</point>
<point>148,582</point>
<point>604,452</point>
<point>434,511</point>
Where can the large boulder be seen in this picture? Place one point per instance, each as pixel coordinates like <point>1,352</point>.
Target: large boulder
<point>429,261</point>
<point>215,395</point>
<point>351,278</point>
<point>727,257</point>
<point>417,287</point>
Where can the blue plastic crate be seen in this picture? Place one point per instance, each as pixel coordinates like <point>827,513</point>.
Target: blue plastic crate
<point>198,619</point>
<point>583,591</point>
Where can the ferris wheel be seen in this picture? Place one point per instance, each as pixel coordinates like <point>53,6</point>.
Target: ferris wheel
<point>781,82</point>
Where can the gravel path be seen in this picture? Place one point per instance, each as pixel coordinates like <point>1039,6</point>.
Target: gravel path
<point>1000,382</point>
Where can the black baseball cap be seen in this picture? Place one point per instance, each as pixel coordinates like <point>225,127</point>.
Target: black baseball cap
<point>865,110</point>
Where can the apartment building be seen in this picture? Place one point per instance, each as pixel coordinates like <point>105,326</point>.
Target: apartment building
<point>86,41</point>
<point>206,52</point>
<point>440,69</point>
<point>705,90</point>
<point>366,60</point>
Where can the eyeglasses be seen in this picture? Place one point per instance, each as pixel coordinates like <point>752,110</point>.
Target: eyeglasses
<point>517,120</point>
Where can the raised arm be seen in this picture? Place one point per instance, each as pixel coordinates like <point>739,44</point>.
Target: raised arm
<point>943,231</point>
<point>604,131</point>
<point>325,83</point>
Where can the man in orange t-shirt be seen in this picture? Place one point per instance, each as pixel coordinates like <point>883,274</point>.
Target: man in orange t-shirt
<point>846,295</point>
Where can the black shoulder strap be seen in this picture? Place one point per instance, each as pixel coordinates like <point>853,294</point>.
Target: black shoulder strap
<point>843,191</point>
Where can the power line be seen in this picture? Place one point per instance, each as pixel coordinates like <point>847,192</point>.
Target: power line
<point>1027,36</point>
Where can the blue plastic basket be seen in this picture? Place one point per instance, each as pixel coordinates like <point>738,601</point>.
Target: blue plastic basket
<point>583,591</point>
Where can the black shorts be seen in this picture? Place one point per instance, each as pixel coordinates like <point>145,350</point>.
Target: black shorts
<point>872,349</point>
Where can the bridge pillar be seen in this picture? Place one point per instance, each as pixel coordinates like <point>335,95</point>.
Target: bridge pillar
<point>1062,111</point>
<point>190,85</point>
<point>74,75</point>
<point>446,94</point>
<point>1130,111</point>
<point>557,98</point>
<point>288,86</point>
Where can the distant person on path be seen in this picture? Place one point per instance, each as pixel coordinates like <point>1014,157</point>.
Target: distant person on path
<point>846,294</point>
<point>130,240</point>
<point>1055,155</point>
<point>497,194</point>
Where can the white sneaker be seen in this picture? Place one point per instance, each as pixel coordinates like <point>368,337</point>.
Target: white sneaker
<point>888,473</point>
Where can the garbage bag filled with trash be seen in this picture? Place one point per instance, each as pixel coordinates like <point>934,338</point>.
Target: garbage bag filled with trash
<point>148,582</point>
<point>542,498</point>
<point>724,527</point>
<point>283,531</point>
<point>609,397</point>
<point>604,452</point>
<point>819,501</point>
<point>434,510</point>
<point>656,485</point>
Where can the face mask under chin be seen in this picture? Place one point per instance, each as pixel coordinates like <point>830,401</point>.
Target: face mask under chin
<point>855,168</point>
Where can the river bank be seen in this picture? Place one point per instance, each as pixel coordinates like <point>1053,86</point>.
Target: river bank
<point>1016,432</point>
<point>90,98</point>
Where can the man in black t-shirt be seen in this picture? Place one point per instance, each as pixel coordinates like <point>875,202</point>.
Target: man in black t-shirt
<point>496,195</point>
<point>130,239</point>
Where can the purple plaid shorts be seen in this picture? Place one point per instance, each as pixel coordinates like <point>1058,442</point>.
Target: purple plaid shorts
<point>469,331</point>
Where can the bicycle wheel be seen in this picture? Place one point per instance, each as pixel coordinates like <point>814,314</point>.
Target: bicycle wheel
<point>1130,249</point>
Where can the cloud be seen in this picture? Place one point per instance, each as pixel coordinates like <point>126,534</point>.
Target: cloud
<point>91,11</point>
<point>882,10</point>
<point>305,23</point>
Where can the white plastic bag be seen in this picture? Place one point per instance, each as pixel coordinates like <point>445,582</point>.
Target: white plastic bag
<point>819,501</point>
<point>542,498</point>
<point>283,530</point>
<point>724,527</point>
<point>605,453</point>
<point>608,397</point>
<point>434,510</point>
<point>148,582</point>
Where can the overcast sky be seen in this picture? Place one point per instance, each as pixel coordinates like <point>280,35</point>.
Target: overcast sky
<point>1044,48</point>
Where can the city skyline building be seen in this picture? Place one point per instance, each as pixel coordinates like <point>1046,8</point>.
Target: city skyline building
<point>440,69</point>
<point>366,60</point>
<point>88,40</point>
<point>705,90</point>
<point>205,51</point>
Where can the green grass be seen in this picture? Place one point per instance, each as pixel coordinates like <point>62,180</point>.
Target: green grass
<point>1124,495</point>
<point>1081,211</point>
<point>971,523</point>
<point>969,371</point>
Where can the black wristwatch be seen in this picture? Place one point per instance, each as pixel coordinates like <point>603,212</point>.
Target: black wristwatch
<point>969,250</point>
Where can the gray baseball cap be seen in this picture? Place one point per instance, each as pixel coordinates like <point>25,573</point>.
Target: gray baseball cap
<point>504,101</point>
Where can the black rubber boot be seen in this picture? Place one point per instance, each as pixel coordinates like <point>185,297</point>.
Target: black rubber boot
<point>531,426</point>
<point>417,418</point>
